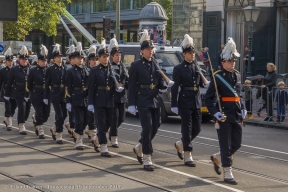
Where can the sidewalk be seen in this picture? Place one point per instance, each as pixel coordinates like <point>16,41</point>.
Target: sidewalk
<point>259,121</point>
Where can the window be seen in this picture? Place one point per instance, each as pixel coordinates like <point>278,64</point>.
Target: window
<point>128,59</point>
<point>170,60</point>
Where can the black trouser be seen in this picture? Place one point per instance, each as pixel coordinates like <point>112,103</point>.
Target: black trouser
<point>230,138</point>
<point>60,115</point>
<point>119,114</point>
<point>10,107</point>
<point>71,118</point>
<point>42,112</point>
<point>23,110</point>
<point>81,118</point>
<point>150,122</point>
<point>190,126</point>
<point>91,121</point>
<point>103,117</point>
<point>248,105</point>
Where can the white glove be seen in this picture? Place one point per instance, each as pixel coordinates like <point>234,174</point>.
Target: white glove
<point>7,98</point>
<point>26,99</point>
<point>170,83</point>
<point>120,89</point>
<point>219,116</point>
<point>175,110</point>
<point>68,107</point>
<point>91,108</point>
<point>207,85</point>
<point>162,90</point>
<point>243,113</point>
<point>45,101</point>
<point>132,109</point>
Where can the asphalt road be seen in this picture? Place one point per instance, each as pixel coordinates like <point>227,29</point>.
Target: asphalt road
<point>30,164</point>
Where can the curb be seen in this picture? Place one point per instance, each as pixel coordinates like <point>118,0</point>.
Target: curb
<point>267,125</point>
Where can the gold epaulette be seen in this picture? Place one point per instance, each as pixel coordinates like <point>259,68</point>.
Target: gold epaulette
<point>216,72</point>
<point>236,71</point>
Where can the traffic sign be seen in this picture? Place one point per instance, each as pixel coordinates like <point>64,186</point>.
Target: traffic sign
<point>1,48</point>
<point>70,42</point>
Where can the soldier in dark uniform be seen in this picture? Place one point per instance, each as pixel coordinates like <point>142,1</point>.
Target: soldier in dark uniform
<point>36,85</point>
<point>101,96</point>
<point>92,127</point>
<point>10,105</point>
<point>17,81</point>
<point>144,85</point>
<point>188,78</point>
<point>55,78</point>
<point>76,95</point>
<point>188,104</point>
<point>70,125</point>
<point>229,127</point>
<point>120,99</point>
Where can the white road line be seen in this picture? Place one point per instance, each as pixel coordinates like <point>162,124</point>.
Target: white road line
<point>155,165</point>
<point>243,145</point>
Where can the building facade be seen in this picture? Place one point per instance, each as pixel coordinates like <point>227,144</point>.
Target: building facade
<point>216,20</point>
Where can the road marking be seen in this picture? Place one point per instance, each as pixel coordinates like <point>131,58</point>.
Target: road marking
<point>155,165</point>
<point>243,145</point>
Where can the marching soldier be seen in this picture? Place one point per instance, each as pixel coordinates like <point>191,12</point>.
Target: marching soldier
<point>119,98</point>
<point>188,103</point>
<point>36,85</point>
<point>17,81</point>
<point>55,78</point>
<point>76,95</point>
<point>100,96</point>
<point>92,127</point>
<point>10,105</point>
<point>70,125</point>
<point>229,110</point>
<point>144,85</point>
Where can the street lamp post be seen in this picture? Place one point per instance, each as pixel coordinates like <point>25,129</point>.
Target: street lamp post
<point>251,13</point>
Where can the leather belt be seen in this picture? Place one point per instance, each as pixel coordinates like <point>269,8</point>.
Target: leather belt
<point>230,99</point>
<point>80,89</point>
<point>20,83</point>
<point>152,86</point>
<point>190,88</point>
<point>107,88</point>
<point>40,86</point>
<point>61,86</point>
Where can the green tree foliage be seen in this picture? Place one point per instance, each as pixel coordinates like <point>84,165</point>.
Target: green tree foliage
<point>167,5</point>
<point>35,14</point>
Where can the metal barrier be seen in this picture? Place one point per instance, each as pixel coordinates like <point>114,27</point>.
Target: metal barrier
<point>258,99</point>
<point>280,101</point>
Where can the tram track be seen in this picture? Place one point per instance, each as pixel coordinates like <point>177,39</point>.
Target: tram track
<point>263,176</point>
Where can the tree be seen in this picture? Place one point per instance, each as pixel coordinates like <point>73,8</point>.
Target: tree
<point>167,5</point>
<point>35,14</point>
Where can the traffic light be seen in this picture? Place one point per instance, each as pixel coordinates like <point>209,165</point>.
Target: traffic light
<point>107,24</point>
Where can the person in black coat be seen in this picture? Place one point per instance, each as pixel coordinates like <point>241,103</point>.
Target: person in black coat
<point>92,59</point>
<point>101,96</point>
<point>188,103</point>
<point>36,85</point>
<point>55,78</point>
<point>120,99</point>
<point>229,116</point>
<point>76,95</point>
<point>269,82</point>
<point>70,125</point>
<point>144,85</point>
<point>17,81</point>
<point>10,105</point>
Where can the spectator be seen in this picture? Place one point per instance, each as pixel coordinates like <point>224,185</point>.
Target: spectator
<point>201,54</point>
<point>51,62</point>
<point>268,83</point>
<point>206,59</point>
<point>219,61</point>
<point>281,102</point>
<point>248,98</point>
<point>246,59</point>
